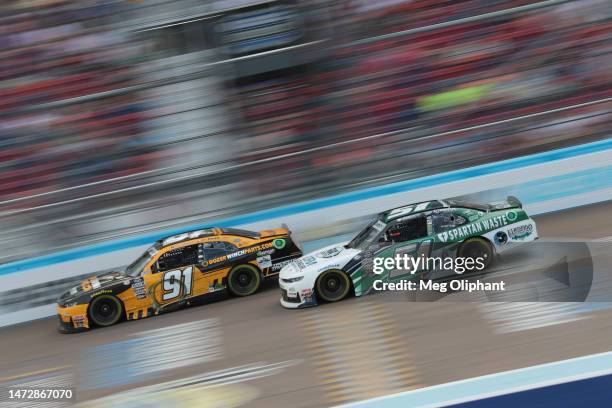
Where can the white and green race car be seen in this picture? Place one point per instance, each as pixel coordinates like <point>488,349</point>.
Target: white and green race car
<point>446,229</point>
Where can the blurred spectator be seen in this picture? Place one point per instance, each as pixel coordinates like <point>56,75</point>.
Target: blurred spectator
<point>133,93</point>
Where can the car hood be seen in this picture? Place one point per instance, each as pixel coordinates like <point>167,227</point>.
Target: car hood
<point>330,257</point>
<point>92,284</point>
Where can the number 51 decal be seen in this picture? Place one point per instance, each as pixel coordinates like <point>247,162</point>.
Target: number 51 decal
<point>177,281</point>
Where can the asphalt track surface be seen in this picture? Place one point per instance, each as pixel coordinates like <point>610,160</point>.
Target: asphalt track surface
<point>251,352</point>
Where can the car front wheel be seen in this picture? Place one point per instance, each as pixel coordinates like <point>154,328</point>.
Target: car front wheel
<point>333,285</point>
<point>105,310</point>
<point>477,248</point>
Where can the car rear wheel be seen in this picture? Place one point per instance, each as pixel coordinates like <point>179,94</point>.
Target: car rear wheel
<point>105,310</point>
<point>477,248</point>
<point>244,280</point>
<point>333,285</point>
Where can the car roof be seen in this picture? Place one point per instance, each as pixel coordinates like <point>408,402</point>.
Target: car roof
<point>416,208</point>
<point>207,232</point>
<point>412,209</point>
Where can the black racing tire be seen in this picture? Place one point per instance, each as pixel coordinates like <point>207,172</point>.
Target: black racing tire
<point>333,285</point>
<point>477,248</point>
<point>244,280</point>
<point>105,310</point>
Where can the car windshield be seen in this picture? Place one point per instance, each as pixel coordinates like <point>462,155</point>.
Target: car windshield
<point>367,235</point>
<point>136,267</point>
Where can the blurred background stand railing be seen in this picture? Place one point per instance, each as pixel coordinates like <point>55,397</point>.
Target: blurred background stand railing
<point>122,117</point>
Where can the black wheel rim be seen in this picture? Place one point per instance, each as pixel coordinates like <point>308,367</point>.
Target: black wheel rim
<point>244,281</point>
<point>333,286</point>
<point>105,311</point>
<point>476,253</point>
<point>477,250</point>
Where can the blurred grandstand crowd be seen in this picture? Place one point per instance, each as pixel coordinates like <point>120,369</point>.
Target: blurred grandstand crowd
<point>114,99</point>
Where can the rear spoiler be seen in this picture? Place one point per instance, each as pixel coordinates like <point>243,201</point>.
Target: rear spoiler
<point>296,243</point>
<point>510,202</point>
<point>514,202</point>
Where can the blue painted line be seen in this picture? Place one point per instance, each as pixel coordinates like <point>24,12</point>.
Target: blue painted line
<point>592,392</point>
<point>555,187</point>
<point>589,307</point>
<point>373,192</point>
<point>504,383</point>
<point>324,242</point>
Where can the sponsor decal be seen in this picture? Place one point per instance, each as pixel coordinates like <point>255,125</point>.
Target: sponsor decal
<point>101,292</point>
<point>280,265</point>
<point>330,253</point>
<point>472,215</point>
<point>379,225</point>
<point>95,283</point>
<point>292,292</point>
<point>79,321</point>
<point>306,295</point>
<point>242,252</point>
<point>215,287</point>
<point>306,262</point>
<point>512,215</point>
<point>474,228</point>
<point>501,237</point>
<point>520,232</point>
<point>266,252</point>
<point>264,261</point>
<point>331,266</point>
<point>279,243</point>
<point>139,288</point>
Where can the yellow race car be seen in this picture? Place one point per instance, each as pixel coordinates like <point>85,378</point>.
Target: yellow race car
<point>177,271</point>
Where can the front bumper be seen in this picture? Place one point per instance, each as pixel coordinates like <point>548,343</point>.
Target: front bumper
<point>68,327</point>
<point>72,319</point>
<point>295,298</point>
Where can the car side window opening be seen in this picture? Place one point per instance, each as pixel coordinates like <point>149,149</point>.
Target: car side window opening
<point>408,230</point>
<point>215,249</point>
<point>447,220</point>
<point>177,258</point>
